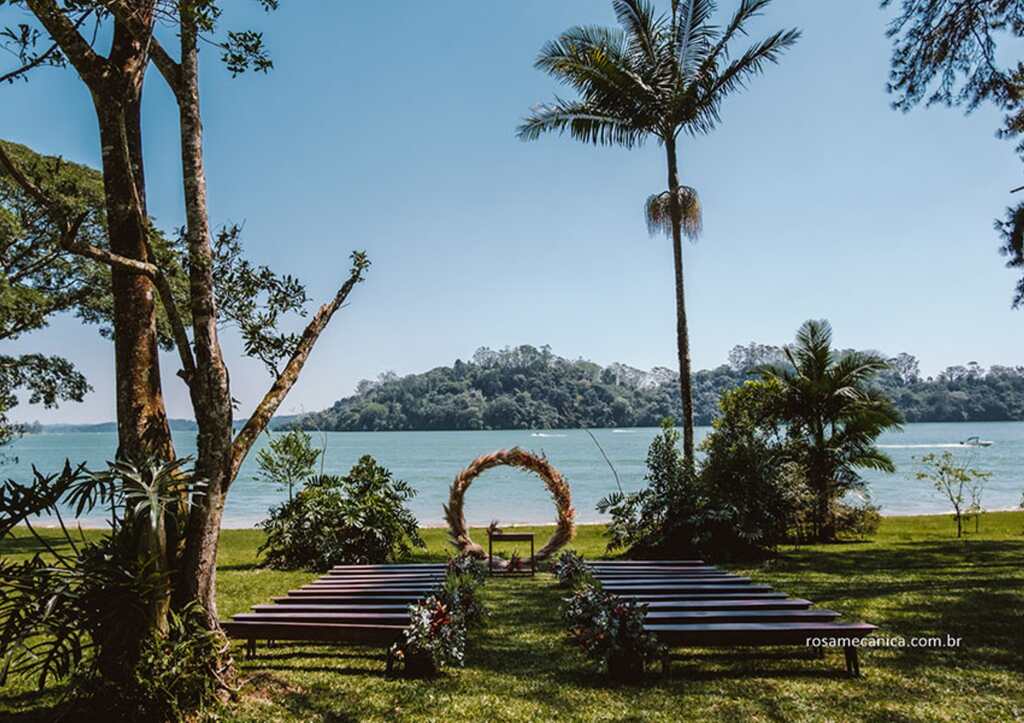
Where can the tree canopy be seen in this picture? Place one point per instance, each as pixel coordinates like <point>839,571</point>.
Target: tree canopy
<point>529,388</point>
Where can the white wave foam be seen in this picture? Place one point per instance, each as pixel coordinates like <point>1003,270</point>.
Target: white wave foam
<point>542,434</point>
<point>945,445</point>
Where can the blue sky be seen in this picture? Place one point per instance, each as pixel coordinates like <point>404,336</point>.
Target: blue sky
<point>391,127</point>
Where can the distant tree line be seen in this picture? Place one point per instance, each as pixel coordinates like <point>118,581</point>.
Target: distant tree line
<point>529,388</point>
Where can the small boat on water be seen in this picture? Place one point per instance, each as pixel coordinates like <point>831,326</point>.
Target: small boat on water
<point>977,442</point>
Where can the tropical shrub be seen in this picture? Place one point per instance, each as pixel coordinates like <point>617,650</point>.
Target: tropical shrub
<point>609,629</point>
<point>663,518</point>
<point>176,675</point>
<point>92,613</point>
<point>833,414</point>
<point>461,592</point>
<point>754,494</point>
<point>859,520</point>
<point>571,570</point>
<point>435,638</point>
<point>360,518</point>
<point>468,565</point>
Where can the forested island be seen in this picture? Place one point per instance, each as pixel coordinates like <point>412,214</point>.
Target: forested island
<point>530,388</point>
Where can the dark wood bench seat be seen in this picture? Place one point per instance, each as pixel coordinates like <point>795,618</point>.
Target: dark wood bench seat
<point>725,594</point>
<point>328,607</point>
<point>684,617</point>
<point>713,635</point>
<point>318,632</point>
<point>682,588</point>
<point>343,599</point>
<point>654,582</point>
<point>288,614</point>
<point>775,603</point>
<point>646,563</point>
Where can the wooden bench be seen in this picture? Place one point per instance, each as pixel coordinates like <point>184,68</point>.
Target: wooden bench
<point>354,605</point>
<point>691,606</point>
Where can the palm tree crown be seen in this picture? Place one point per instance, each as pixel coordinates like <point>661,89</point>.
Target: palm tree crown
<point>658,75</point>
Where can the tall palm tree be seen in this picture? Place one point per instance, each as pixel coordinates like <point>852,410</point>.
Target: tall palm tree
<point>658,76</point>
<point>834,416</point>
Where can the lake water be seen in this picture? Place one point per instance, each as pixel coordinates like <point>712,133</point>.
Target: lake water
<point>429,461</point>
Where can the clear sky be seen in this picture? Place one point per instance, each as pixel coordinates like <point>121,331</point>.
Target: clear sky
<point>391,127</point>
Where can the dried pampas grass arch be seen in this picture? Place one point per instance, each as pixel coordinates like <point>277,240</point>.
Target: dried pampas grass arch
<point>565,528</point>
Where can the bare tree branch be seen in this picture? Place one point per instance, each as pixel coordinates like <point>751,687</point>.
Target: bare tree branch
<point>69,241</point>
<point>261,416</point>
<point>87,62</point>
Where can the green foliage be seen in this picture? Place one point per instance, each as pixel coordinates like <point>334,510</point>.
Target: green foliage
<point>754,493</point>
<point>360,518</point>
<point>606,626</point>
<point>530,388</point>
<point>288,459</point>
<point>461,592</point>
<point>663,517</point>
<point>175,677</point>
<point>434,639</point>
<point>571,570</point>
<point>954,480</point>
<point>83,609</point>
<point>833,416</point>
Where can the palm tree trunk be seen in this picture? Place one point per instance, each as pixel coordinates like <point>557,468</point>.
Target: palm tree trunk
<point>682,329</point>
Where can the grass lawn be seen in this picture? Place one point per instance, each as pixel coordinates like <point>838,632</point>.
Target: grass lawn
<point>912,579</point>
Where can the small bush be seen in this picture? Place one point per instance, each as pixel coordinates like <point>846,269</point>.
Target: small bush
<point>571,570</point>
<point>465,564</point>
<point>360,519</point>
<point>859,521</point>
<point>462,593</point>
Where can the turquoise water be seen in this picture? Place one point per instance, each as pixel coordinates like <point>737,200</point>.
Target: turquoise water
<point>429,461</point>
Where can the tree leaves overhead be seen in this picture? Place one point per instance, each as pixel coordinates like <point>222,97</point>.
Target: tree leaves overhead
<point>947,51</point>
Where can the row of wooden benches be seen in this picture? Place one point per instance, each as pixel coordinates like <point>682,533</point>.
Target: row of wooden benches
<point>692,604</point>
<point>351,604</point>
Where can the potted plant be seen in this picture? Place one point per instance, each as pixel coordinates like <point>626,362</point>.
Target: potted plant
<point>611,629</point>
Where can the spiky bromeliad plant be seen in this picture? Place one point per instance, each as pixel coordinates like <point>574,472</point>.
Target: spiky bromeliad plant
<point>657,76</point>
<point>95,612</point>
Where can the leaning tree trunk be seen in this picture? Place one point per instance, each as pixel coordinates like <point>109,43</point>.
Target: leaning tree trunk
<point>143,429</point>
<point>682,329</point>
<point>210,388</point>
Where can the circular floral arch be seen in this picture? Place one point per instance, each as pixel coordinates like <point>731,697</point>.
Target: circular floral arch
<point>565,528</point>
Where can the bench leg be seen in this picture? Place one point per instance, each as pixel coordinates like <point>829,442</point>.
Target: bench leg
<point>666,662</point>
<point>389,665</point>
<point>250,648</point>
<point>852,661</point>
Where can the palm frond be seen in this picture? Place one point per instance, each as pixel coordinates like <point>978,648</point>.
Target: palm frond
<point>641,26</point>
<point>715,86</point>
<point>583,122</point>
<point>692,35</point>
<point>658,212</point>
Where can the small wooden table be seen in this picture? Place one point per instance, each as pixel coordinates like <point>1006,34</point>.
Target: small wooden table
<point>509,537</point>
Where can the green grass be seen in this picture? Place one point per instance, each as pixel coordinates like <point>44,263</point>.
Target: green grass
<point>912,579</point>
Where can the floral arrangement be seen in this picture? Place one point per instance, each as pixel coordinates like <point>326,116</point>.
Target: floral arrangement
<point>461,593</point>
<point>610,629</point>
<point>435,638</point>
<point>468,565</point>
<point>571,570</point>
